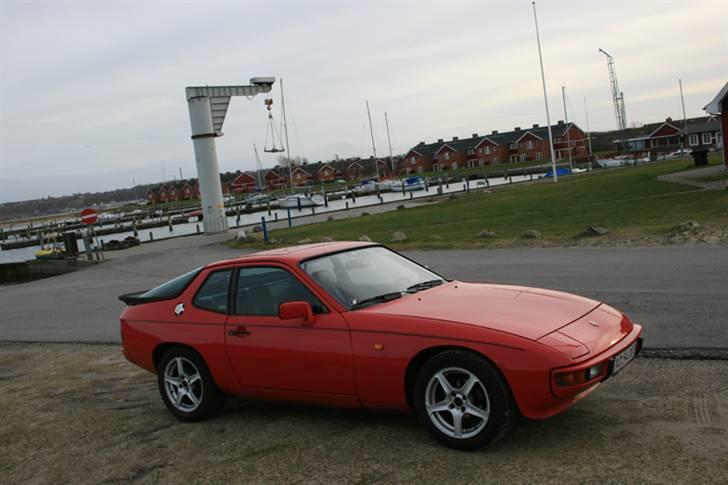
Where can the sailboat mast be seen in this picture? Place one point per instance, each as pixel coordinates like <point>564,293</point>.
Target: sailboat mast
<point>371,132</point>
<point>259,167</point>
<point>566,120</point>
<point>685,119</point>
<point>285,131</point>
<point>389,142</point>
<point>588,131</point>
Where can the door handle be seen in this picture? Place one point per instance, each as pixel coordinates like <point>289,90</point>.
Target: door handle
<point>239,332</point>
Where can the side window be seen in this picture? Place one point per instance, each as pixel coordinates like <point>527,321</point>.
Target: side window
<point>260,290</point>
<point>213,294</point>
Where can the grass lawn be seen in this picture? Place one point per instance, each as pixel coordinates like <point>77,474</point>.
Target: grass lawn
<point>631,202</point>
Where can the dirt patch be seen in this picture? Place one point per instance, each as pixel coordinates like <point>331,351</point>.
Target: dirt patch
<point>82,414</point>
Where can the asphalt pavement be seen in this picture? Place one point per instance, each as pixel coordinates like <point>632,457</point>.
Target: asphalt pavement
<point>679,293</point>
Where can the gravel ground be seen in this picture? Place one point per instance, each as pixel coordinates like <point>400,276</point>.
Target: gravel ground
<point>77,413</point>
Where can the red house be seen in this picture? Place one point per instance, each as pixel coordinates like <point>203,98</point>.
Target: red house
<point>152,196</point>
<point>243,183</point>
<point>719,106</point>
<point>326,173</point>
<point>301,176</point>
<point>273,181</point>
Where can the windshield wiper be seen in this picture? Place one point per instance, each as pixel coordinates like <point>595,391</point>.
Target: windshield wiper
<point>377,299</point>
<point>423,286</point>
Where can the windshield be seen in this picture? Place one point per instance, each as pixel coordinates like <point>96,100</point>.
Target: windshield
<point>363,275</point>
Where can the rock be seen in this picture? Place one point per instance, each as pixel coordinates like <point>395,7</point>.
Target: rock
<point>241,235</point>
<point>304,241</point>
<point>327,239</point>
<point>330,219</point>
<point>452,196</point>
<point>364,214</point>
<point>258,228</point>
<point>400,207</point>
<point>596,230</point>
<point>531,234</point>
<point>437,237</point>
<point>399,236</point>
<point>485,233</point>
<point>365,238</point>
<point>688,226</point>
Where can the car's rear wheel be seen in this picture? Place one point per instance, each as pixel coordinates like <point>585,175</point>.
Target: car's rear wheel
<point>186,385</point>
<point>463,400</point>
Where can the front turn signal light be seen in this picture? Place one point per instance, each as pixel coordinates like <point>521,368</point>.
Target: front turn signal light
<point>576,378</point>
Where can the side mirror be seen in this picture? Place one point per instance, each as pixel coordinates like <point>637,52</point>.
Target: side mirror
<point>296,309</point>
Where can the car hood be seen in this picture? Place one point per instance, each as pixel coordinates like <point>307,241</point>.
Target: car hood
<point>527,312</point>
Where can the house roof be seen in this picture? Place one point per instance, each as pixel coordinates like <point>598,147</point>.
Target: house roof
<point>714,107</point>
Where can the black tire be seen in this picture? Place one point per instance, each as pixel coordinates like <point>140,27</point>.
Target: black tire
<point>210,400</point>
<point>492,392</point>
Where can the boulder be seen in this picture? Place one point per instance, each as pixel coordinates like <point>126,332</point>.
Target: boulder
<point>365,238</point>
<point>596,230</point>
<point>330,219</point>
<point>327,239</point>
<point>241,235</point>
<point>305,241</point>
<point>688,226</point>
<point>531,234</point>
<point>485,233</point>
<point>400,207</point>
<point>364,214</point>
<point>258,228</point>
<point>398,236</point>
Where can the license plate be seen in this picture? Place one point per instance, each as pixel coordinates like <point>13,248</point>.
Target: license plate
<point>623,358</point>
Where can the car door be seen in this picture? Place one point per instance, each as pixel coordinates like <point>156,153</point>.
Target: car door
<point>267,352</point>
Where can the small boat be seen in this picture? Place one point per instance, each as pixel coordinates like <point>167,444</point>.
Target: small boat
<point>367,186</point>
<point>54,252</point>
<point>293,201</point>
<point>195,216</point>
<point>391,186</point>
<point>414,183</point>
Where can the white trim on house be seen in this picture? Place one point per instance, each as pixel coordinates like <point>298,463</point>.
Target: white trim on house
<point>693,139</point>
<point>528,133</point>
<point>443,146</point>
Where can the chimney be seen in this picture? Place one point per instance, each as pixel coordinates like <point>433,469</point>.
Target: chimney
<point>517,128</point>
<point>440,140</point>
<point>475,135</point>
<point>535,125</point>
<point>561,122</point>
<point>494,132</point>
<point>668,119</point>
<point>420,143</point>
<point>454,138</point>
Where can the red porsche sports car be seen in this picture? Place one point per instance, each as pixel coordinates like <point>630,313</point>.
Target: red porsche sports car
<point>358,325</point>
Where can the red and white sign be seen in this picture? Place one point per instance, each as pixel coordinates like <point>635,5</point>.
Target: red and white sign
<point>88,216</point>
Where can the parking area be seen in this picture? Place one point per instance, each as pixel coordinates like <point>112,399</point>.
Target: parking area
<point>80,413</point>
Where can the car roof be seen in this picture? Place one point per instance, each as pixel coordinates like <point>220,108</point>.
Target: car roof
<point>293,255</point>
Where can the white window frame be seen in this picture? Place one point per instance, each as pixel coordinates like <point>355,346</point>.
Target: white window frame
<point>707,139</point>
<point>693,140</point>
<point>539,156</point>
<point>446,156</point>
<point>529,144</point>
<point>487,150</point>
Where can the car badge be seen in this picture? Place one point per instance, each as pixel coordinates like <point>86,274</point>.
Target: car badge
<point>179,309</point>
<point>593,323</point>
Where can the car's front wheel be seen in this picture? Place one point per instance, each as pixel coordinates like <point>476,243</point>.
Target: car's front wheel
<point>186,385</point>
<point>463,400</point>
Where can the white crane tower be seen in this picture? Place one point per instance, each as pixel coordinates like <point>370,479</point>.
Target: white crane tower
<point>617,95</point>
<point>208,106</point>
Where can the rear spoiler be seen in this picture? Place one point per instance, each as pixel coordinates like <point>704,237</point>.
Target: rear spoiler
<point>135,298</point>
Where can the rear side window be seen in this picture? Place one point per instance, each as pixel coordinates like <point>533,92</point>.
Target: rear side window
<point>213,294</point>
<point>172,288</point>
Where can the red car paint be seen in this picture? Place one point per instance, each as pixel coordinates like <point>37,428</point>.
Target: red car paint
<point>367,357</point>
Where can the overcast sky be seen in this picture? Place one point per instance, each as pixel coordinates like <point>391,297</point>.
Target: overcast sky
<point>92,92</point>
